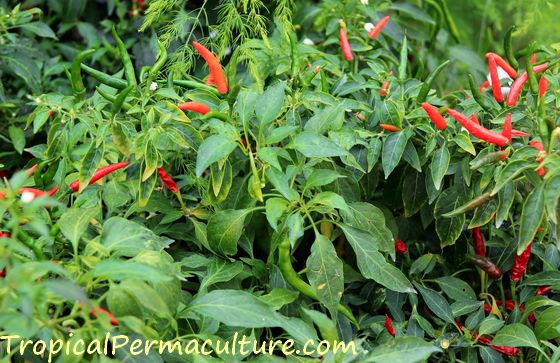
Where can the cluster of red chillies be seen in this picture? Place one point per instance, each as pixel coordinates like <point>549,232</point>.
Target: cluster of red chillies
<point>510,351</point>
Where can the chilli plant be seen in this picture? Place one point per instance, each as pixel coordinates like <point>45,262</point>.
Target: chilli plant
<point>316,184</point>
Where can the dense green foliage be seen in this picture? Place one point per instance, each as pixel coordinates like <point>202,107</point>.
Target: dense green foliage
<point>291,196</point>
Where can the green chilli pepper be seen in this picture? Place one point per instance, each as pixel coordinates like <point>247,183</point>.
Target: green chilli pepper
<point>429,81</point>
<point>143,72</point>
<point>404,60</point>
<point>450,22</point>
<point>291,276</point>
<point>161,59</point>
<point>195,85</point>
<point>76,74</point>
<point>294,53</point>
<point>119,100</point>
<point>104,77</point>
<point>129,72</point>
<point>112,99</point>
<point>533,83</point>
<point>509,49</point>
<point>215,114</point>
<point>324,82</point>
<point>480,98</point>
<point>475,203</point>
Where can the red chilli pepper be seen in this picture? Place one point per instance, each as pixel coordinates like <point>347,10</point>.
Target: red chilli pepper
<point>520,264</point>
<point>506,129</point>
<point>518,84</point>
<point>167,180</point>
<point>96,310</point>
<point>36,192</point>
<point>216,72</point>
<point>477,130</point>
<point>435,116</point>
<point>32,169</point>
<point>543,290</point>
<point>533,58</point>
<point>475,119</point>
<point>495,78</point>
<point>3,272</point>
<point>400,246</point>
<point>388,127</point>
<point>99,173</point>
<point>373,33</point>
<point>539,146</point>
<point>511,351</point>
<point>518,133</point>
<point>483,86</point>
<point>389,325</point>
<point>510,306</point>
<point>478,242</point>
<point>503,64</point>
<point>543,85</point>
<point>195,107</point>
<point>344,44</point>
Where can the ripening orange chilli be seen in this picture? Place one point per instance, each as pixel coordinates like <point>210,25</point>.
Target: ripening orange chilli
<point>344,44</point>
<point>478,130</point>
<point>384,88</point>
<point>373,33</point>
<point>216,71</point>
<point>388,127</point>
<point>434,115</point>
<point>194,106</point>
<point>495,78</point>
<point>503,64</point>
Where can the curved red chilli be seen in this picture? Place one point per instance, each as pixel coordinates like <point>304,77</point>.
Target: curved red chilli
<point>167,180</point>
<point>506,129</point>
<point>477,130</point>
<point>478,242</point>
<point>520,264</point>
<point>216,70</point>
<point>434,115</point>
<point>503,64</point>
<point>389,325</point>
<point>495,78</point>
<point>543,85</point>
<point>373,33</point>
<point>518,84</point>
<point>99,173</point>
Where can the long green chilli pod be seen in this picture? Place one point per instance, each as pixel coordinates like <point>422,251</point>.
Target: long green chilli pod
<point>324,82</point>
<point>215,114</point>
<point>480,98</point>
<point>161,59</point>
<point>509,49</point>
<point>112,99</point>
<point>129,72</point>
<point>544,129</point>
<point>145,70</point>
<point>429,81</point>
<point>104,77</point>
<point>291,276</point>
<point>533,83</point>
<point>195,85</point>
<point>475,203</point>
<point>119,100</point>
<point>76,74</point>
<point>294,53</point>
<point>450,22</point>
<point>404,60</point>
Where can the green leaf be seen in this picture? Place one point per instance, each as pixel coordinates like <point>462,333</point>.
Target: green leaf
<point>393,149</point>
<point>17,136</point>
<point>548,323</point>
<point>295,224</point>
<point>440,164</point>
<point>118,270</point>
<point>279,297</point>
<point>455,288</point>
<point>74,222</point>
<point>543,278</point>
<point>313,145</point>
<point>551,195</point>
<point>448,229</point>
<point>325,274</point>
<point>505,200</point>
<point>464,143</point>
<point>531,217</point>
<point>90,162</point>
<point>214,148</point>
<point>372,264</point>
<point>330,118</point>
<point>510,172</point>
<point>484,214</point>
<point>436,303</point>
<point>490,325</point>
<point>516,335</point>
<point>225,228</point>
<point>220,271</point>
<point>414,193</point>
<point>127,238</point>
<point>403,349</point>
<point>275,208</point>
<point>369,218</point>
<point>410,155</point>
<point>40,29</point>
<point>330,199</point>
<point>270,103</point>
<point>320,177</point>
